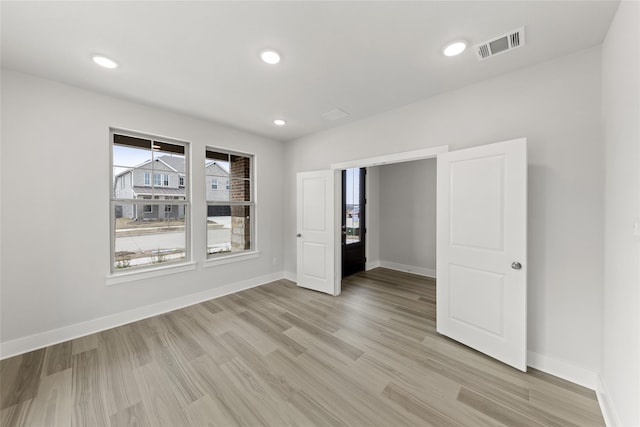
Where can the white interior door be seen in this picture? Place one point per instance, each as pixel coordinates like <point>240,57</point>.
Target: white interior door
<point>481,249</point>
<point>316,231</point>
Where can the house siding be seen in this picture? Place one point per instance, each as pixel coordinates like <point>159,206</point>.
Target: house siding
<point>158,167</point>
<point>215,171</point>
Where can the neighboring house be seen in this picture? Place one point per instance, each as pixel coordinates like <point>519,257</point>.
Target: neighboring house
<point>217,183</point>
<point>163,180</point>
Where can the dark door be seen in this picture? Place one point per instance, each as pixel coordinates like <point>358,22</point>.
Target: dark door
<point>353,221</point>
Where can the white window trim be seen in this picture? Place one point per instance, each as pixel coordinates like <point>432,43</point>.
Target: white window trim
<point>147,177</point>
<point>231,258</point>
<point>214,183</point>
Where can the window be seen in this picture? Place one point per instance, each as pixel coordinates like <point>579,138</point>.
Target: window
<point>145,231</point>
<point>230,211</point>
<point>181,181</point>
<point>161,179</point>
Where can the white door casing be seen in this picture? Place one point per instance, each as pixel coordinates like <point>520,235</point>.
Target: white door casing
<point>317,262</point>
<point>481,232</point>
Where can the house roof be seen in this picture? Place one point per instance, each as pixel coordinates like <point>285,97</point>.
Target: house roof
<point>158,191</point>
<point>176,163</point>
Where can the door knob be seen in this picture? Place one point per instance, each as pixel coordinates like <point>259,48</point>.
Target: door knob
<point>298,235</point>
<point>516,265</point>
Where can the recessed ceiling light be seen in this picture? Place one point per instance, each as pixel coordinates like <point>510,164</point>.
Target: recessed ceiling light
<point>454,48</point>
<point>103,61</point>
<point>279,122</point>
<point>270,56</point>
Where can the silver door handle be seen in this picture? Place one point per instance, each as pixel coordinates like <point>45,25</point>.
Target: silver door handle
<point>298,235</point>
<point>516,265</point>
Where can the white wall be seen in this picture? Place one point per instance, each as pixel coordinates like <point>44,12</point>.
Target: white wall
<point>55,199</point>
<point>621,114</point>
<point>408,216</point>
<point>556,105</point>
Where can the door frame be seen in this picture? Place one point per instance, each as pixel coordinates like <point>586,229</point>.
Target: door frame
<point>386,159</point>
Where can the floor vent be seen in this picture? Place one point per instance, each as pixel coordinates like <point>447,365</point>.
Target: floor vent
<point>501,44</point>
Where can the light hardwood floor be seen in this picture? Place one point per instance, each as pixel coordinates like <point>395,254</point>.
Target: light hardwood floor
<point>278,355</point>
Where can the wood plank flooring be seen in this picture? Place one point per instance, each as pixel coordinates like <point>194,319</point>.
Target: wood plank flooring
<point>278,355</point>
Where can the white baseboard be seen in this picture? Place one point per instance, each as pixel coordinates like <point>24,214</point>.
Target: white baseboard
<point>609,413</point>
<point>562,369</point>
<point>428,272</point>
<point>370,265</point>
<point>55,336</point>
<point>291,276</point>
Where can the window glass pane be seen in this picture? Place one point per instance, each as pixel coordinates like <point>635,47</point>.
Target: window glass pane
<point>240,190</point>
<point>156,237</point>
<point>140,163</point>
<point>352,218</point>
<point>217,176</point>
<point>228,179</point>
<point>153,231</point>
<point>215,155</point>
<point>125,161</point>
<point>240,166</point>
<point>228,229</point>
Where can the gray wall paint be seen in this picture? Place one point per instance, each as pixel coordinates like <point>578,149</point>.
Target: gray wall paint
<point>408,213</point>
<point>621,113</point>
<point>54,262</point>
<point>556,105</point>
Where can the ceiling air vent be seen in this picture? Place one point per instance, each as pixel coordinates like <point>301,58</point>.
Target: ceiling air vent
<point>501,44</point>
<point>335,114</point>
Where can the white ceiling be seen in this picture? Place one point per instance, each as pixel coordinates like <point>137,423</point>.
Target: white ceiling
<point>201,58</point>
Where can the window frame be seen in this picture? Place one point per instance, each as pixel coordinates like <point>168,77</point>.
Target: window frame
<point>252,252</point>
<point>116,276</point>
<point>214,184</point>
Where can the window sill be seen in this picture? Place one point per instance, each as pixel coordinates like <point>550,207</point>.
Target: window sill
<point>131,276</point>
<point>227,259</point>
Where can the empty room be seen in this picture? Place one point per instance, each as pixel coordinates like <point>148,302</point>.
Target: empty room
<point>322,213</point>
